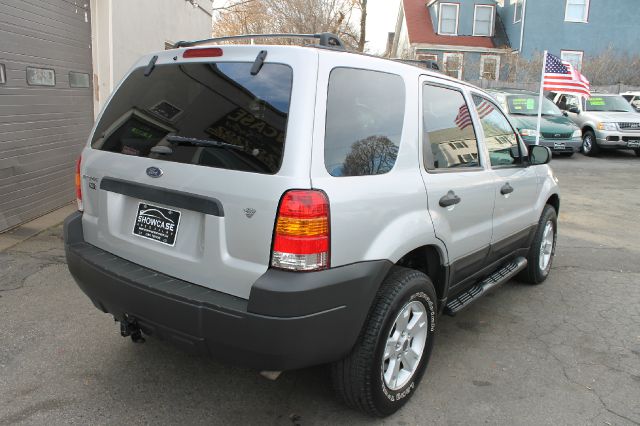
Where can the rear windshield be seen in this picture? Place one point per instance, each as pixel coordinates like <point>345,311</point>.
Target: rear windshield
<point>209,114</point>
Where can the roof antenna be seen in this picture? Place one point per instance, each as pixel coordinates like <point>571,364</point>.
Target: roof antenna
<point>259,62</point>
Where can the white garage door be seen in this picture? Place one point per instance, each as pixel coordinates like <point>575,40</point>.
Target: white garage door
<point>46,108</point>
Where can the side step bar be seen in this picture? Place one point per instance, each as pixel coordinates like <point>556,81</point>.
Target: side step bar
<point>494,280</point>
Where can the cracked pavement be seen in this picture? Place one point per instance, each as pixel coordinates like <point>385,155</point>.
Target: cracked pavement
<point>565,352</point>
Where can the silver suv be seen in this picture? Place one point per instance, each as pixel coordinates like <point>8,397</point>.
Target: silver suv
<point>607,121</point>
<point>281,207</point>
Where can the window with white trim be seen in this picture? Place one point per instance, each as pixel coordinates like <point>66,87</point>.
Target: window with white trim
<point>490,67</point>
<point>453,64</point>
<point>448,19</point>
<point>576,11</point>
<point>574,57</point>
<point>517,11</point>
<point>483,20</point>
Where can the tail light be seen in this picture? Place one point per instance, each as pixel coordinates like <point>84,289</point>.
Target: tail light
<point>301,236</point>
<point>79,185</point>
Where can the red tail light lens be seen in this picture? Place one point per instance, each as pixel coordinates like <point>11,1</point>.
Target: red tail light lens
<point>210,52</point>
<point>301,236</point>
<point>79,185</point>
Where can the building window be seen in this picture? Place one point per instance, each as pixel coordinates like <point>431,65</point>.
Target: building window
<point>3,74</point>
<point>490,67</point>
<point>41,76</point>
<point>448,22</point>
<point>453,64</point>
<point>78,79</point>
<point>483,20</point>
<point>574,57</point>
<point>517,11</point>
<point>576,11</point>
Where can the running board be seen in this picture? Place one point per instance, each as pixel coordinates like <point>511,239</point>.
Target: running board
<point>494,280</point>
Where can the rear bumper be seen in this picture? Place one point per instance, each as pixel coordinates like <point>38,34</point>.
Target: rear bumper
<point>291,320</point>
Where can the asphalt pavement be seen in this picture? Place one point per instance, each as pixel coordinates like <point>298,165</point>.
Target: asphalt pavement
<point>564,352</point>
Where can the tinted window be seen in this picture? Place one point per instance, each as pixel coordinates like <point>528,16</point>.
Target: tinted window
<point>78,79</point>
<point>499,137</point>
<point>449,138</point>
<point>208,114</point>
<point>365,112</point>
<point>41,77</point>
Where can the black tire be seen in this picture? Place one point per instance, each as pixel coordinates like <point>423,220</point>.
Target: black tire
<point>589,144</point>
<point>533,273</point>
<point>637,152</point>
<point>358,378</point>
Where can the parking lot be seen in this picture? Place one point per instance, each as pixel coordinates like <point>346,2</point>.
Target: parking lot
<point>565,352</point>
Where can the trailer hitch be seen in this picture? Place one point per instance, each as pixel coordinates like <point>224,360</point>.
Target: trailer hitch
<point>129,327</point>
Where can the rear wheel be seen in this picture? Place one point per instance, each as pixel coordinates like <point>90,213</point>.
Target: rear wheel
<point>390,357</point>
<point>542,249</point>
<point>589,145</point>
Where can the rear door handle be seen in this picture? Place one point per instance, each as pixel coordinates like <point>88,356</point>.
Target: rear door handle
<point>449,200</point>
<point>506,189</point>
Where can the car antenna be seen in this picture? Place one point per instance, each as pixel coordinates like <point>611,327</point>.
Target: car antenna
<point>257,64</point>
<point>150,66</point>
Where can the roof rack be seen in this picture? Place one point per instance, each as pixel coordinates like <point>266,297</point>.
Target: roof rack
<point>326,39</point>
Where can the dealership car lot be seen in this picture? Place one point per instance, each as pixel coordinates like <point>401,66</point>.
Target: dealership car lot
<point>565,352</point>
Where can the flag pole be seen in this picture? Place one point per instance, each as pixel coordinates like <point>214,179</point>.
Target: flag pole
<point>544,66</point>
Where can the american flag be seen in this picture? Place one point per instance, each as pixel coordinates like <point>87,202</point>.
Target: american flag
<point>561,76</point>
<point>463,119</point>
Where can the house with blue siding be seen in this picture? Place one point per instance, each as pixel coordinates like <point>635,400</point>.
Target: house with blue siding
<point>465,37</point>
<point>571,29</point>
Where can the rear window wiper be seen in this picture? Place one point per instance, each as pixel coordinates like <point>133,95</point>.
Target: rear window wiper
<point>201,142</point>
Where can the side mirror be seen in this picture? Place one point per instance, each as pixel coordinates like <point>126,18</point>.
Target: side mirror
<point>539,154</point>
<point>574,110</point>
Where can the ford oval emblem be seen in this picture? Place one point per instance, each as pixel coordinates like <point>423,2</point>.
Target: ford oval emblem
<point>154,172</point>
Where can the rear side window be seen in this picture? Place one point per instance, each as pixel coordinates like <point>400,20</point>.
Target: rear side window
<point>207,114</point>
<point>449,138</point>
<point>365,113</point>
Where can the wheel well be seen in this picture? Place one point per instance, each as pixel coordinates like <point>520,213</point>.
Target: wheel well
<point>554,201</point>
<point>589,128</point>
<point>427,259</point>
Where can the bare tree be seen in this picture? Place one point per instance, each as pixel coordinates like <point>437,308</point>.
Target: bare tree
<point>370,156</point>
<point>288,16</point>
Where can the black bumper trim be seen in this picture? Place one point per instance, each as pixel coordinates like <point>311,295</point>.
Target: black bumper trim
<point>291,320</point>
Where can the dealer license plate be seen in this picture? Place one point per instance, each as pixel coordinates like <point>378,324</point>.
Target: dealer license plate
<point>559,145</point>
<point>633,144</point>
<point>157,223</point>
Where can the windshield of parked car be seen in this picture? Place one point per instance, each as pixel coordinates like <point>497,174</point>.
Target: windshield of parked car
<point>528,105</point>
<point>608,103</point>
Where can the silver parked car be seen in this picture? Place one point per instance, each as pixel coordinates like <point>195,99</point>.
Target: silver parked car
<point>607,121</point>
<point>281,207</point>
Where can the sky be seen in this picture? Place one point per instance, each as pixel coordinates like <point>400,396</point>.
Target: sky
<point>381,19</point>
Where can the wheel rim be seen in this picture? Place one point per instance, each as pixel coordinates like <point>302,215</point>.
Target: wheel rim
<point>546,247</point>
<point>586,144</point>
<point>405,345</point>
